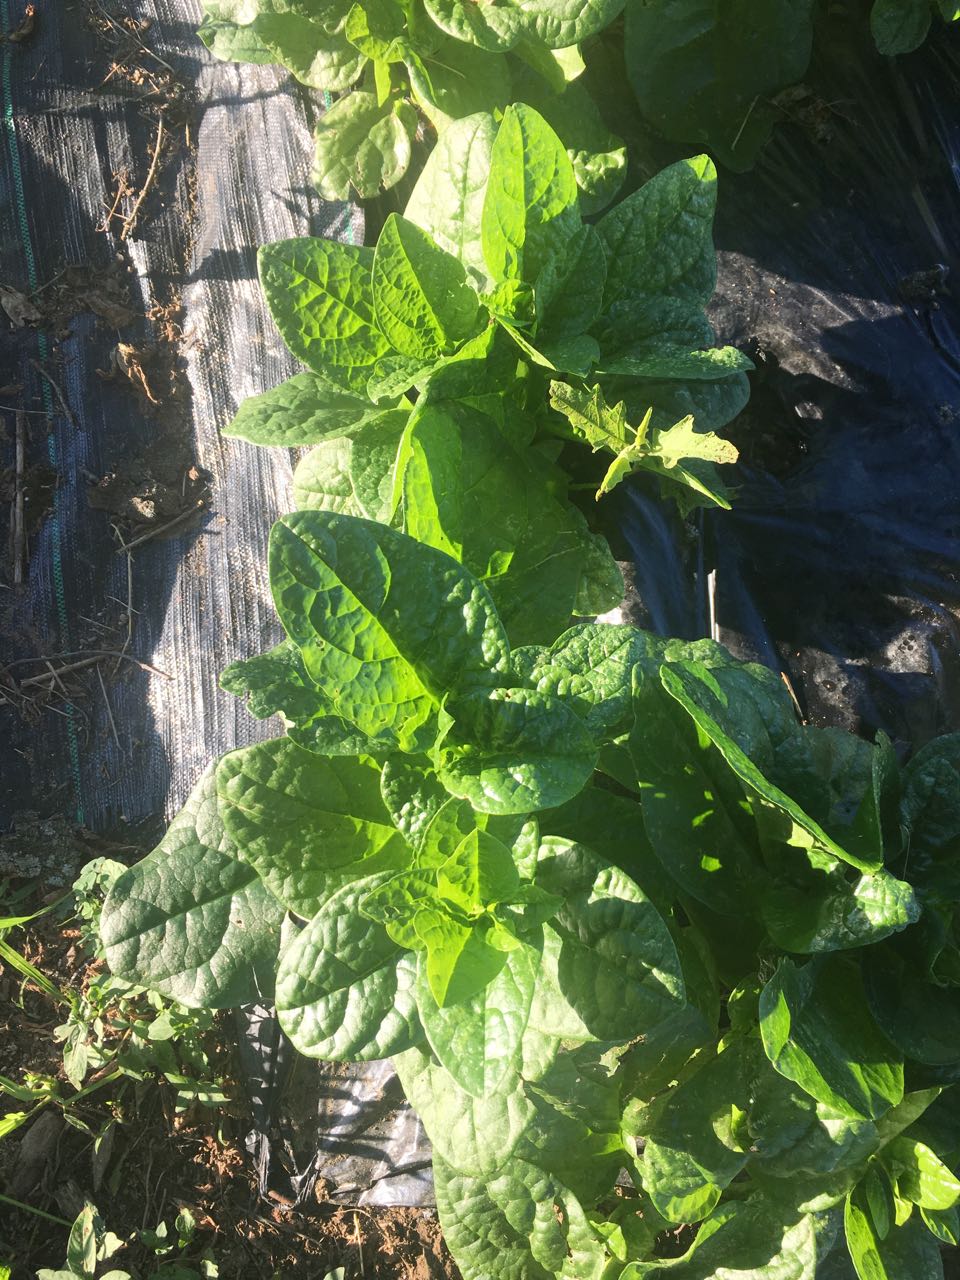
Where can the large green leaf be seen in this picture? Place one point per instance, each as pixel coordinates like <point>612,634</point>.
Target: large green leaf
<point>495,26</point>
<point>907,1253</point>
<point>355,474</point>
<point>710,707</point>
<point>705,71</point>
<point>310,42</point>
<point>522,1224</point>
<point>390,627</point>
<point>608,953</point>
<point>569,289</point>
<point>591,666</point>
<point>921,1176</point>
<point>421,298</point>
<point>277,684</point>
<point>818,1031</point>
<point>920,1017</point>
<point>744,1241</point>
<point>692,804</point>
<point>598,156</point>
<point>344,989</point>
<point>515,751</point>
<point>478,1040</point>
<point>499,510</point>
<point>478,1135</point>
<point>302,410</point>
<point>362,146</point>
<point>530,207</point>
<point>448,199</point>
<point>900,26</point>
<point>321,299</point>
<point>191,920</point>
<point>658,242</point>
<point>307,824</point>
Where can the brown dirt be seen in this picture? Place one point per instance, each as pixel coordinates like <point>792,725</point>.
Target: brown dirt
<point>157,1162</point>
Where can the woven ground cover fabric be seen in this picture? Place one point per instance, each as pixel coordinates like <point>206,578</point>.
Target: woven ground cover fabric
<point>84,107</point>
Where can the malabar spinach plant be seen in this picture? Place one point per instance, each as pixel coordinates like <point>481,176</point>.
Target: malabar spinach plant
<point>704,73</point>
<point>488,329</point>
<point>647,952</point>
<point>400,66</point>
<point>670,977</point>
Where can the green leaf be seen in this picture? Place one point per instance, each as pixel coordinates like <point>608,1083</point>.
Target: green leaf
<point>569,288</point>
<point>817,1030</point>
<point>376,28</point>
<point>692,804</point>
<point>515,751</point>
<point>899,26</point>
<point>344,989</point>
<point>919,1017</point>
<point>310,42</point>
<point>232,43</point>
<point>447,201</point>
<point>478,1039</point>
<point>709,706</point>
<point>920,1174</point>
<point>389,625</point>
<point>495,27</point>
<point>749,1240</point>
<point>521,1223</point>
<point>604,427</point>
<point>321,300</point>
<point>530,208</point>
<point>458,80</point>
<point>943,1226</point>
<point>658,242</point>
<point>191,920</point>
<point>480,873</point>
<point>908,1252</point>
<point>413,795</point>
<point>608,952</point>
<point>458,961</point>
<point>930,816</point>
<point>422,301</point>
<point>591,667</point>
<point>663,361</point>
<point>598,156</point>
<point>302,410</point>
<point>306,824</point>
<point>829,912</point>
<point>705,72</point>
<point>355,474</point>
<point>479,1134</point>
<point>362,146</point>
<point>561,23</point>
<point>277,683</point>
<point>499,510</point>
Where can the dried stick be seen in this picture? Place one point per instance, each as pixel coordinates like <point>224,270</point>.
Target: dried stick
<point>57,391</point>
<point>130,221</point>
<point>19,534</point>
<point>90,661</point>
<point>106,700</point>
<point>160,528</point>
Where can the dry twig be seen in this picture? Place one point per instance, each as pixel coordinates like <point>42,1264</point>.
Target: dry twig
<point>106,700</point>
<point>57,391</point>
<point>130,222</point>
<point>160,528</point>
